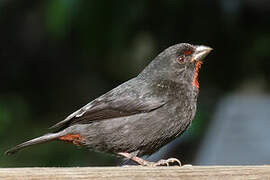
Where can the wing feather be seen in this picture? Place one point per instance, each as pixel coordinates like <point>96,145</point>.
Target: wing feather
<point>119,102</point>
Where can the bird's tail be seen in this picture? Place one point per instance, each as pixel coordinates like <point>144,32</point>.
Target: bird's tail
<point>39,140</point>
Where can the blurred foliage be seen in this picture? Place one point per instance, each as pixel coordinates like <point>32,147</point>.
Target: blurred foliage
<point>59,15</point>
<point>57,55</point>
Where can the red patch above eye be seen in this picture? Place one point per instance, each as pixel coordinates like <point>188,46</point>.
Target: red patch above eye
<point>188,52</point>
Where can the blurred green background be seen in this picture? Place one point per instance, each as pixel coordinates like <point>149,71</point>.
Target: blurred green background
<point>57,55</point>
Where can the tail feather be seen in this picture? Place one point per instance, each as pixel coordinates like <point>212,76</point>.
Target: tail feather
<point>39,140</point>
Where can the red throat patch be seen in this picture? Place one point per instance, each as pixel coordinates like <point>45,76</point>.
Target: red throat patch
<point>73,138</point>
<point>195,77</point>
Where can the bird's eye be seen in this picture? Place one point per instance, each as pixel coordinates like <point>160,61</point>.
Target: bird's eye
<point>180,59</point>
<point>188,52</point>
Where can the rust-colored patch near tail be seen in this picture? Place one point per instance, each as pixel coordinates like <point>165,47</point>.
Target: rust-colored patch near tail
<point>195,77</point>
<point>73,138</point>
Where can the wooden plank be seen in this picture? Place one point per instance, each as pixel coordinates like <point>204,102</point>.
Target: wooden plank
<point>140,173</point>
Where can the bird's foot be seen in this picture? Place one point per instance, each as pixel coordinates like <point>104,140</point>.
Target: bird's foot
<point>142,162</point>
<point>166,162</point>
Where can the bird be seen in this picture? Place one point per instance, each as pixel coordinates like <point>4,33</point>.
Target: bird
<point>138,117</point>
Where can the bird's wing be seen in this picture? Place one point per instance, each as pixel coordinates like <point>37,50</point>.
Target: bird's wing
<point>124,100</point>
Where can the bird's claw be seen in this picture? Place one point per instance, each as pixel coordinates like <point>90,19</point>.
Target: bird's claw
<point>166,162</point>
<point>142,162</point>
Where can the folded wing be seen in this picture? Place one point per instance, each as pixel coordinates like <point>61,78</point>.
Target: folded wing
<point>124,100</point>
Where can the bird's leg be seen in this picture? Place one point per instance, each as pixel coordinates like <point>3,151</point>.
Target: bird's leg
<point>143,162</point>
<point>135,158</point>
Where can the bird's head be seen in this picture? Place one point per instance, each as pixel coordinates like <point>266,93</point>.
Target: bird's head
<point>178,63</point>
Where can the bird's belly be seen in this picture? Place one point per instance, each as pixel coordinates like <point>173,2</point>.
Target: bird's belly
<point>145,132</point>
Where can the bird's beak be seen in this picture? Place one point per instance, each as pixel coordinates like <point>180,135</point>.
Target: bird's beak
<point>200,53</point>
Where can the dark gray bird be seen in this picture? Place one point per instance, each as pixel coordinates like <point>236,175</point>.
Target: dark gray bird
<point>141,115</point>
